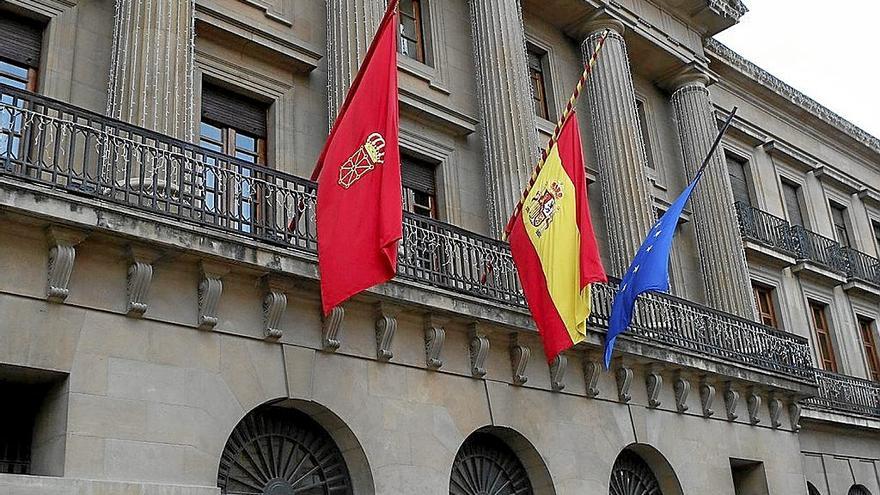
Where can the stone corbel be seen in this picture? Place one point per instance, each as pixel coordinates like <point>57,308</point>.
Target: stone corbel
<point>210,290</point>
<point>140,276</point>
<point>519,360</point>
<point>592,370</point>
<point>435,337</point>
<point>753,405</point>
<point>624,377</point>
<point>557,372</point>
<point>653,385</point>
<point>479,351</point>
<point>794,413</point>
<point>274,305</point>
<point>386,325</point>
<point>681,388</point>
<point>707,398</point>
<point>775,407</point>
<point>62,253</point>
<point>731,400</point>
<point>331,325</point>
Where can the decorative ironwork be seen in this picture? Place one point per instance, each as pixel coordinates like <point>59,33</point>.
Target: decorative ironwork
<point>487,466</point>
<point>858,490</point>
<point>846,393</point>
<point>764,228</point>
<point>58,145</point>
<point>631,475</point>
<point>277,451</point>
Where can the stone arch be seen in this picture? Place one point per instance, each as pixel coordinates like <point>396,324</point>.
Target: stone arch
<point>812,490</point>
<point>511,458</point>
<point>641,469</point>
<point>287,444</point>
<point>858,490</point>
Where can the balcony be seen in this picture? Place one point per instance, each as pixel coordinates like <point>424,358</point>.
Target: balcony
<point>846,393</point>
<point>824,255</point>
<point>53,144</point>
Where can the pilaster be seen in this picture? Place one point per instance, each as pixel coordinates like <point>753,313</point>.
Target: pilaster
<point>508,118</point>
<point>626,193</point>
<point>722,258</point>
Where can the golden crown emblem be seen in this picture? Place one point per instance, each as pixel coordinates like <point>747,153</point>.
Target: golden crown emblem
<point>363,160</point>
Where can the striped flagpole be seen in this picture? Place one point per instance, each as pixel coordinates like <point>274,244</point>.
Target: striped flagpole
<point>569,108</point>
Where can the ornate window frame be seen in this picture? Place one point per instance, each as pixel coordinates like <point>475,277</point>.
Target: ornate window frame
<point>445,159</point>
<point>435,70</point>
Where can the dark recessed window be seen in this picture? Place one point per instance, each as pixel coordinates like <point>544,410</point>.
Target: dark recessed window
<point>764,300</point>
<point>539,72</point>
<point>21,42</point>
<point>823,336</point>
<point>838,217</point>
<point>869,342</point>
<point>791,196</point>
<point>643,126</point>
<point>419,187</point>
<point>412,30</point>
<point>736,168</point>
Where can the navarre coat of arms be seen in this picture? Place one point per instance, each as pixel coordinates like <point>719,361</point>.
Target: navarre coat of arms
<point>543,206</point>
<point>363,160</point>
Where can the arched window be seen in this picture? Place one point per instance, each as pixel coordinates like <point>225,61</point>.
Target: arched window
<point>485,464</point>
<point>631,475</point>
<point>858,490</point>
<point>280,451</point>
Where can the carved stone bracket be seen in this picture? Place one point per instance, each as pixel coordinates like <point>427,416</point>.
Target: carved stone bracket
<point>653,385</point>
<point>479,351</point>
<point>624,377</point>
<point>707,397</point>
<point>592,370</point>
<point>140,276</point>
<point>274,305</point>
<point>331,325</point>
<point>62,254</point>
<point>386,325</point>
<point>731,400</point>
<point>519,360</point>
<point>753,404</point>
<point>794,413</point>
<point>681,388</point>
<point>210,290</point>
<point>775,407</point>
<point>557,372</point>
<point>435,337</point>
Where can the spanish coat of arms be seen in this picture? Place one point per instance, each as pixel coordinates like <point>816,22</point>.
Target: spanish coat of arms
<point>543,206</point>
<point>363,160</point>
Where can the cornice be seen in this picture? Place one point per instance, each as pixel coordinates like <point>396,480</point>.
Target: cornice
<point>782,89</point>
<point>731,9</point>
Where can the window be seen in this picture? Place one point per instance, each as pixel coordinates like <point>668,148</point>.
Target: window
<point>539,73</point>
<point>736,168</point>
<point>412,30</point>
<point>870,344</point>
<point>823,337</point>
<point>749,477</point>
<point>233,125</point>
<point>20,47</point>
<point>876,227</point>
<point>791,197</point>
<point>838,218</point>
<point>419,187</point>
<point>643,126</point>
<point>764,301</point>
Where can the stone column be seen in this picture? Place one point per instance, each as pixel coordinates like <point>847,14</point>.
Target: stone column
<point>723,261</point>
<point>151,72</point>
<point>351,26</point>
<point>508,117</point>
<point>626,192</point>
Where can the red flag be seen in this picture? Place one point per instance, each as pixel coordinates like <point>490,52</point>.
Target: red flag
<point>359,206</point>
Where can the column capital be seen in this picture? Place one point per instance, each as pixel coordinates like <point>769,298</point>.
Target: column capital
<point>689,75</point>
<point>595,22</point>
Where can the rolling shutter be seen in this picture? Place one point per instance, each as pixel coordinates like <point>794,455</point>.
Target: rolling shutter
<point>21,39</point>
<point>418,175</point>
<point>233,110</point>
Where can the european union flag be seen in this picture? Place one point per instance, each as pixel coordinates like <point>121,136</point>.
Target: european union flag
<point>649,270</point>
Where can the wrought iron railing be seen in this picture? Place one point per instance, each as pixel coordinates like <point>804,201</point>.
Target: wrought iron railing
<point>862,267</point>
<point>847,393</point>
<point>764,228</point>
<point>84,153</point>
<point>820,249</point>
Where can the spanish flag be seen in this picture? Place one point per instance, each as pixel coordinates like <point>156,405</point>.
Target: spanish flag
<point>553,245</point>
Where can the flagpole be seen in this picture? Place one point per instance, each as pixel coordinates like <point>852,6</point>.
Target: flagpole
<point>569,108</point>
<point>715,144</point>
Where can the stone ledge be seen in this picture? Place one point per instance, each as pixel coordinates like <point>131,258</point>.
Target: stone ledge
<point>41,485</point>
<point>840,417</point>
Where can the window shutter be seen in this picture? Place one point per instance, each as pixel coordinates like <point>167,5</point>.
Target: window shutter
<point>418,175</point>
<point>738,181</point>
<point>21,39</point>
<point>233,110</point>
<point>792,205</point>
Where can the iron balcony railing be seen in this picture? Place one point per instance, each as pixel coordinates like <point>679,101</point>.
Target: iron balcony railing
<point>58,145</point>
<point>769,230</point>
<point>847,393</point>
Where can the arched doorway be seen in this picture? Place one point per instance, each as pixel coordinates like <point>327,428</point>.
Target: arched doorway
<point>858,490</point>
<point>631,475</point>
<point>485,465</point>
<point>282,451</point>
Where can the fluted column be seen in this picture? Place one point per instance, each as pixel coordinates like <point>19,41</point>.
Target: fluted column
<point>626,192</point>
<point>151,73</point>
<point>508,117</point>
<point>722,259</point>
<point>351,25</point>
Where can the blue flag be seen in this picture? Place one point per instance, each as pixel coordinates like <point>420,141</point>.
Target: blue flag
<point>649,270</point>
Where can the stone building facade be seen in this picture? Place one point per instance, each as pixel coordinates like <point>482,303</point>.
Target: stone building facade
<point>160,330</point>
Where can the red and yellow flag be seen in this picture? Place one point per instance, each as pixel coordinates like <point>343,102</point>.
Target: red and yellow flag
<point>553,245</point>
